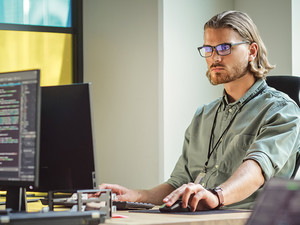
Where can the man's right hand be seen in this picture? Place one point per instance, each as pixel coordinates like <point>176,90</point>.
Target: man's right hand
<point>122,193</point>
<point>154,195</point>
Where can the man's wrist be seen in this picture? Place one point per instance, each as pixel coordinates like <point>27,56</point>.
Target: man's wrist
<point>139,195</point>
<point>218,191</point>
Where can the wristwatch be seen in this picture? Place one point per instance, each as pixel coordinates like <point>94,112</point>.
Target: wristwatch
<point>218,191</point>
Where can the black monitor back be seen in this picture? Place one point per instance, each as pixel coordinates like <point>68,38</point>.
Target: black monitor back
<point>66,150</point>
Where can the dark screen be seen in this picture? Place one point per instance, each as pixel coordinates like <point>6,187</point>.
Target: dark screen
<point>278,204</point>
<point>66,156</point>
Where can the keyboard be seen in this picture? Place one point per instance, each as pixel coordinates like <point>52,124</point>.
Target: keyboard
<point>125,205</point>
<point>120,205</point>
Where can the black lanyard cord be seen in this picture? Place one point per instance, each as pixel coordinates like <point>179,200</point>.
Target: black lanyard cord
<point>211,148</point>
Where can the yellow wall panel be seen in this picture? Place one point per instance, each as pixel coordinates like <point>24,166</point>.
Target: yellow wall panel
<point>49,52</point>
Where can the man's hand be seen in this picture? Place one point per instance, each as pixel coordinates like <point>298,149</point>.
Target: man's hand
<point>244,181</point>
<point>154,195</point>
<point>122,193</point>
<point>194,195</point>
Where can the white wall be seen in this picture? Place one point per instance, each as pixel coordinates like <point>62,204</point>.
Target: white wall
<point>121,61</point>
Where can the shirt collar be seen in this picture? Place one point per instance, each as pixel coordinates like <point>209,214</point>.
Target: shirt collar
<point>256,87</point>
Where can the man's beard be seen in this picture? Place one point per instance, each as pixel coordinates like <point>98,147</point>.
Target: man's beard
<point>225,76</point>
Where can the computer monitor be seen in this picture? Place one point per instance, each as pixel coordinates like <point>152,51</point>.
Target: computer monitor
<point>278,203</point>
<point>66,150</point>
<point>19,134</point>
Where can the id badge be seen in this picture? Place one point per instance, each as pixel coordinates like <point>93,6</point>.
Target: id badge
<point>199,177</point>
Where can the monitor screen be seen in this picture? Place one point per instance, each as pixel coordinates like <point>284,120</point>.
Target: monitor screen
<point>66,149</point>
<point>19,128</point>
<point>19,134</point>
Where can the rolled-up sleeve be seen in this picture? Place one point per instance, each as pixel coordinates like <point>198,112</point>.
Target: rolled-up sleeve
<point>277,140</point>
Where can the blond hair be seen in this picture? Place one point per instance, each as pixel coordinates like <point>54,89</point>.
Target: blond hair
<point>243,24</point>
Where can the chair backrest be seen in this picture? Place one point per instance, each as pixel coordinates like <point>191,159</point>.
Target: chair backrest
<point>287,84</point>
<point>291,86</point>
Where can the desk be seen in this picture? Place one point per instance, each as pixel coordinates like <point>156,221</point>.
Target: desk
<point>137,218</point>
<point>239,218</point>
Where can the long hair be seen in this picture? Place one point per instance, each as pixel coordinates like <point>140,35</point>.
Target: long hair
<point>243,24</point>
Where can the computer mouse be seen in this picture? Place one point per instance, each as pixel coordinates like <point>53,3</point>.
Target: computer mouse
<point>176,207</point>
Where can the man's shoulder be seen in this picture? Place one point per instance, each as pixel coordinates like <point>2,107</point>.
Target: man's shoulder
<point>278,98</point>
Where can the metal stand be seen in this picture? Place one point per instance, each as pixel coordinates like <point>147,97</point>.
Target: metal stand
<point>103,197</point>
<point>16,199</point>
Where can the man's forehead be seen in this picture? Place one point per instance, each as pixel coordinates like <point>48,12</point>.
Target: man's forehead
<point>221,35</point>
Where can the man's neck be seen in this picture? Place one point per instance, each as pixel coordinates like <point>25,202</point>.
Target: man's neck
<point>236,89</point>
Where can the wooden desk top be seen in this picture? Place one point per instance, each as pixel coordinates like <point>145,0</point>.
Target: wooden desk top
<point>239,218</point>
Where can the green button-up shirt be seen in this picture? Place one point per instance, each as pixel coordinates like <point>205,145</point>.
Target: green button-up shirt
<point>265,127</point>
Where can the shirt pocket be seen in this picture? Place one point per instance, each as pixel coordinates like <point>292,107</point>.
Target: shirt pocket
<point>235,151</point>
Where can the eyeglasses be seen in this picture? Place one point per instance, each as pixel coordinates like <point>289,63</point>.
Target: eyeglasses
<point>222,49</point>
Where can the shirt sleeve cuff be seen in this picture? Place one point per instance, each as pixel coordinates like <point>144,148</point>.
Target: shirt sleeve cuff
<point>264,163</point>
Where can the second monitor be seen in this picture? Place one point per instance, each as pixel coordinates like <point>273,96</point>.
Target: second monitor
<point>66,150</point>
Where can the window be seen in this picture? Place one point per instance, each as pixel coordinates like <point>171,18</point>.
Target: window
<point>42,34</point>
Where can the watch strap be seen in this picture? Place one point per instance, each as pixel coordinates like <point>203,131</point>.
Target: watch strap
<point>218,191</point>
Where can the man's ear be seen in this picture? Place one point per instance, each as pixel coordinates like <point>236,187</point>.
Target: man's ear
<point>253,48</point>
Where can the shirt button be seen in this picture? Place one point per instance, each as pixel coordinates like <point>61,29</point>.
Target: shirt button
<point>203,184</point>
<point>217,166</point>
<point>230,110</point>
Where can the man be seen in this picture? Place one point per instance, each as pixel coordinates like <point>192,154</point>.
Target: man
<point>238,142</point>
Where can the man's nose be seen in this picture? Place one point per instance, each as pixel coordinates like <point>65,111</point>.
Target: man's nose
<point>215,56</point>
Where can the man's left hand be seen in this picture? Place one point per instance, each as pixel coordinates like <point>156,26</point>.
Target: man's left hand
<point>194,195</point>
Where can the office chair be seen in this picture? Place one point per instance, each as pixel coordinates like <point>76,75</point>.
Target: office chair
<point>291,86</point>
<point>287,84</point>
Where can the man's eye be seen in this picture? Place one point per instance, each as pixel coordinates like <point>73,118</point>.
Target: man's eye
<point>207,49</point>
<point>223,47</point>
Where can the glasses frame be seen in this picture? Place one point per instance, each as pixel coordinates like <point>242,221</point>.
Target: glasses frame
<point>214,48</point>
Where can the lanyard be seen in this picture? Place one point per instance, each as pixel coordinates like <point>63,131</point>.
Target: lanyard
<point>212,148</point>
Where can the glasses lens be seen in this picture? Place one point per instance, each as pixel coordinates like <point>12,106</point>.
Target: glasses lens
<point>206,51</point>
<point>223,49</point>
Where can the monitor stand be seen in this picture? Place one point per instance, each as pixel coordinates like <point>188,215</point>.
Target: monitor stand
<point>16,199</point>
